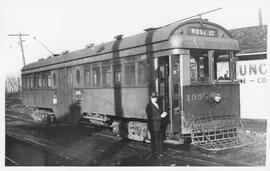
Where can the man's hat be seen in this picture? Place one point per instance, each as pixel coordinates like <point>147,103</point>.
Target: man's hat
<point>154,94</point>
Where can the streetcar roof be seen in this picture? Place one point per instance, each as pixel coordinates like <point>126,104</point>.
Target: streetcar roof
<point>146,38</point>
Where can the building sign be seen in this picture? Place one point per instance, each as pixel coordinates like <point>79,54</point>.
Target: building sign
<point>202,32</point>
<point>254,89</point>
<point>252,72</point>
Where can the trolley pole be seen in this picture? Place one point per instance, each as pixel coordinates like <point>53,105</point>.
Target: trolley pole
<point>21,43</point>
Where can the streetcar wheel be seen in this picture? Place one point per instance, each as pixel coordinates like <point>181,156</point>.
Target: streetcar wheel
<point>48,119</point>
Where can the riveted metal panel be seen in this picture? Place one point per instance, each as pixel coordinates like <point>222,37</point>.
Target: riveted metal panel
<point>198,103</point>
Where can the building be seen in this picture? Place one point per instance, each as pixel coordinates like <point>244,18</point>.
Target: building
<point>252,71</point>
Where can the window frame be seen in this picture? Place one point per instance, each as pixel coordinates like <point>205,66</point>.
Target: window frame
<point>117,69</point>
<point>212,65</point>
<point>133,83</point>
<point>146,72</point>
<point>49,80</point>
<point>98,77</point>
<point>104,76</point>
<point>39,80</point>
<point>78,77</point>
<point>87,80</point>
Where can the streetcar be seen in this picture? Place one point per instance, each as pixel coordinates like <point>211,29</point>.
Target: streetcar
<point>190,64</point>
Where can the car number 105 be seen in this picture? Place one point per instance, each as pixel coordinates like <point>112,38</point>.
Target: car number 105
<point>197,97</point>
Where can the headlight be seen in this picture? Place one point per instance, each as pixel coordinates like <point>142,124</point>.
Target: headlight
<point>217,97</point>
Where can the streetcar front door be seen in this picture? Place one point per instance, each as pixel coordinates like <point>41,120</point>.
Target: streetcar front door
<point>163,82</point>
<point>162,87</point>
<point>175,93</point>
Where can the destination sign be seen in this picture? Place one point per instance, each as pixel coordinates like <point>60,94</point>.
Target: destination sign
<point>202,32</point>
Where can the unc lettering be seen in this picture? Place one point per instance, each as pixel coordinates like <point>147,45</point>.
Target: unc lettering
<point>262,69</point>
<point>252,69</point>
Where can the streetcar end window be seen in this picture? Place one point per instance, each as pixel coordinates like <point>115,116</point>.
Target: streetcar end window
<point>222,66</point>
<point>199,66</point>
<point>211,65</point>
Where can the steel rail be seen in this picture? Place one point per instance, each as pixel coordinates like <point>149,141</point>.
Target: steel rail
<point>12,161</point>
<point>43,147</point>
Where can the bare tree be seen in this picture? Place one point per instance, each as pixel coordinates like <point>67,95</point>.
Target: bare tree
<point>13,85</point>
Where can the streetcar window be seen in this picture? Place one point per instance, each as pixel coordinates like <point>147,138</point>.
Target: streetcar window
<point>130,74</point>
<point>44,81</point>
<point>70,77</point>
<point>142,72</point>
<point>54,79</point>
<point>32,81</point>
<point>87,78</point>
<point>199,70</point>
<point>78,77</point>
<point>106,76</point>
<point>117,74</point>
<point>223,71</point>
<point>193,69</point>
<point>221,65</point>
<point>39,81</point>
<point>35,80</point>
<point>28,81</point>
<point>25,81</point>
<point>49,81</point>
<point>96,76</point>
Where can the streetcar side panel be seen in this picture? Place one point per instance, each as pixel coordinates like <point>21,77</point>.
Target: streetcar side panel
<point>121,102</point>
<point>38,98</point>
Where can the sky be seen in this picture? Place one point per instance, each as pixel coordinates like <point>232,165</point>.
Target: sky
<point>71,24</point>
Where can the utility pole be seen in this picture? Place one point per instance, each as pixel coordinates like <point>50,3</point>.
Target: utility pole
<point>21,43</point>
<point>260,17</point>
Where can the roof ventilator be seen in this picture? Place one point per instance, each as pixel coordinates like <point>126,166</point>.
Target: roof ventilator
<point>65,52</point>
<point>90,45</point>
<point>118,37</point>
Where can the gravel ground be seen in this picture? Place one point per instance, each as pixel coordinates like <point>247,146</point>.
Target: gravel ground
<point>253,154</point>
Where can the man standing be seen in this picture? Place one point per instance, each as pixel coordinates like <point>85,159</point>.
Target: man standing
<point>154,115</point>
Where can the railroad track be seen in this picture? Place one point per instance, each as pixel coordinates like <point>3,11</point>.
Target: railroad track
<point>13,162</point>
<point>41,147</point>
<point>104,132</point>
<point>187,156</point>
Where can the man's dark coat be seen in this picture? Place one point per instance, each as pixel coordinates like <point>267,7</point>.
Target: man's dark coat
<point>154,118</point>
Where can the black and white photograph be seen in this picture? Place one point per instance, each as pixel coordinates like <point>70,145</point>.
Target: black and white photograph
<point>154,84</point>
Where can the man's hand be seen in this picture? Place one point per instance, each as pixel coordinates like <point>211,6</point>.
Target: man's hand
<point>164,114</point>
